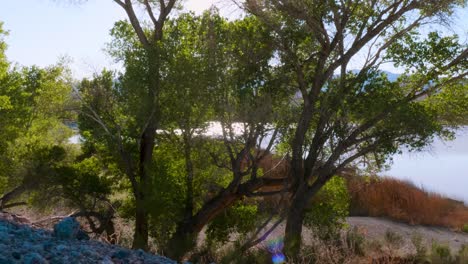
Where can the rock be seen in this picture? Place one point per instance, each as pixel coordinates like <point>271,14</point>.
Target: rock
<point>34,258</point>
<point>4,234</point>
<point>121,254</point>
<point>107,260</point>
<point>23,244</point>
<point>16,255</point>
<point>60,248</point>
<point>68,228</point>
<point>5,261</point>
<point>82,235</point>
<point>47,246</point>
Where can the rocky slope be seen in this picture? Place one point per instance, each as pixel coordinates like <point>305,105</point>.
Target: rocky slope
<point>20,243</point>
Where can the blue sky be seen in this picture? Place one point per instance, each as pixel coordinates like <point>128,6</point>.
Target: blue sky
<point>42,31</point>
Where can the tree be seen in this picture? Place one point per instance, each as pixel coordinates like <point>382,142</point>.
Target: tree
<point>349,108</point>
<point>187,97</point>
<point>139,169</point>
<point>3,60</point>
<point>200,59</point>
<point>237,56</point>
<point>31,124</point>
<point>37,161</point>
<point>5,102</point>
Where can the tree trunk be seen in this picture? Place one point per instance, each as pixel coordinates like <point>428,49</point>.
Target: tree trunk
<point>295,219</point>
<point>13,194</point>
<point>140,237</point>
<point>183,239</point>
<point>147,144</point>
<point>189,177</point>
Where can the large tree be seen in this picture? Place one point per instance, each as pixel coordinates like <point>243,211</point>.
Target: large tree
<point>146,103</point>
<point>211,69</point>
<point>332,52</point>
<point>243,96</point>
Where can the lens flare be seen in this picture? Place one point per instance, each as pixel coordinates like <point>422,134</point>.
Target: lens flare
<point>275,247</point>
<point>278,258</point>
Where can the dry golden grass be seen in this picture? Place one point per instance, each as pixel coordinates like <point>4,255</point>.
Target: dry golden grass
<point>402,201</point>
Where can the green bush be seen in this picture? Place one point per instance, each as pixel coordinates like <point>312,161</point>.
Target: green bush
<point>240,218</point>
<point>440,254</point>
<point>421,250</point>
<point>462,256</point>
<point>328,211</point>
<point>465,228</point>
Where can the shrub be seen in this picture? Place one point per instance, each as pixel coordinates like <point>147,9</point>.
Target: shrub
<point>465,228</point>
<point>252,256</point>
<point>329,209</point>
<point>421,249</point>
<point>440,254</point>
<point>462,256</point>
<point>239,218</point>
<point>393,238</point>
<point>355,241</point>
<point>402,201</point>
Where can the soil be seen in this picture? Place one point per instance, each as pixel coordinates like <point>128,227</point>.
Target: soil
<point>376,228</point>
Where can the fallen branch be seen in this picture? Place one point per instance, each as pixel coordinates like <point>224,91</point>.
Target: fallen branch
<point>13,205</point>
<point>53,218</point>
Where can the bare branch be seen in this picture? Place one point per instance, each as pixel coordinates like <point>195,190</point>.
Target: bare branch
<point>151,14</point>
<point>122,4</point>
<point>128,7</point>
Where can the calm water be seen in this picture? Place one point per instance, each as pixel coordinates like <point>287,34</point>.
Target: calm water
<point>442,168</point>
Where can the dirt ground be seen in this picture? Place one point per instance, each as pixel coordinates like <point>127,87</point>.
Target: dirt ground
<point>375,228</point>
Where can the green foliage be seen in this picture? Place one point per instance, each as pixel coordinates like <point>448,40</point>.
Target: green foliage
<point>32,118</point>
<point>451,105</point>
<point>164,203</point>
<point>440,253</point>
<point>462,255</point>
<point>240,218</point>
<point>329,209</point>
<point>83,183</point>
<point>421,250</point>
<point>465,228</point>
<point>201,80</point>
<point>3,60</point>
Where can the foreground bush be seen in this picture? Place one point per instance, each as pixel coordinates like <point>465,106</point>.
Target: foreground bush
<point>329,209</point>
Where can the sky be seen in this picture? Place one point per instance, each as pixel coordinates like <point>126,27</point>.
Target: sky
<point>43,31</point>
